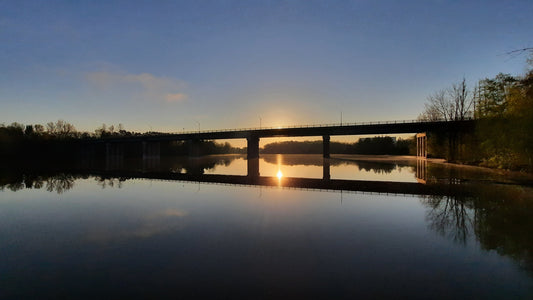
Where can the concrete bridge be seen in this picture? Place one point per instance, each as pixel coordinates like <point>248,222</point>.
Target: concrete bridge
<point>150,143</point>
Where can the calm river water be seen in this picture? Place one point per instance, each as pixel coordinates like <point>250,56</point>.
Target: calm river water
<point>172,229</point>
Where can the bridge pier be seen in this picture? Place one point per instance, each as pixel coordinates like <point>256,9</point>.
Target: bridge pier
<point>325,146</point>
<point>326,175</point>
<point>194,148</point>
<point>252,147</point>
<point>195,167</point>
<point>421,171</point>
<point>421,145</point>
<point>253,168</point>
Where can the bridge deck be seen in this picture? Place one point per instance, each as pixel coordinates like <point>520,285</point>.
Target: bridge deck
<point>391,127</point>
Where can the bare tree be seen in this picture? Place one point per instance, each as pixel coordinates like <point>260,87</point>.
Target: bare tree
<point>64,129</point>
<point>461,100</point>
<point>61,128</point>
<point>454,103</point>
<point>438,107</point>
<point>50,127</point>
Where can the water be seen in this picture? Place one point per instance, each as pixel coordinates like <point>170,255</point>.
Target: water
<point>122,233</point>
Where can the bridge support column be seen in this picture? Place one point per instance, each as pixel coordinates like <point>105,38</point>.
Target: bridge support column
<point>253,168</point>
<point>421,145</point>
<point>195,167</point>
<point>421,170</point>
<point>194,148</point>
<point>326,175</point>
<point>325,146</point>
<point>253,147</point>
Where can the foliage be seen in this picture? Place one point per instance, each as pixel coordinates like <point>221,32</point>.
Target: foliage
<point>503,107</point>
<point>506,122</point>
<point>493,93</point>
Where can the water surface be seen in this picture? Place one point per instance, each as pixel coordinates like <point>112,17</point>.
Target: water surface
<point>83,234</point>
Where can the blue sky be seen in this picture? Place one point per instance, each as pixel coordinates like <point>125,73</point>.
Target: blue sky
<point>169,65</point>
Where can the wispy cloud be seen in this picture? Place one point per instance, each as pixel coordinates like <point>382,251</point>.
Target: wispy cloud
<point>148,86</point>
<point>178,97</point>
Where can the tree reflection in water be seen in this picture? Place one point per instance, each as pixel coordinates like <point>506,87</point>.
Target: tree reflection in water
<point>451,217</point>
<point>499,217</point>
<point>105,182</point>
<point>58,183</point>
<point>378,168</point>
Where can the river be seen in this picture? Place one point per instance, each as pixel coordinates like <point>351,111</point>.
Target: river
<point>284,227</point>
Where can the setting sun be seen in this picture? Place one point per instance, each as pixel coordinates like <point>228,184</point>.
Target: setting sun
<point>279,174</point>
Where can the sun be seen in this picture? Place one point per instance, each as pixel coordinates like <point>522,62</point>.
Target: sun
<point>279,174</point>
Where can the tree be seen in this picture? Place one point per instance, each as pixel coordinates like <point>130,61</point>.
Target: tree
<point>453,103</point>
<point>29,130</point>
<point>101,131</point>
<point>437,108</point>
<point>505,111</point>
<point>462,99</point>
<point>38,129</point>
<point>50,128</point>
<point>493,92</point>
<point>64,129</point>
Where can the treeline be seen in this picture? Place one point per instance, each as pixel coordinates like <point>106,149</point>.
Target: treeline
<point>60,141</point>
<point>54,141</point>
<point>503,106</point>
<point>375,145</point>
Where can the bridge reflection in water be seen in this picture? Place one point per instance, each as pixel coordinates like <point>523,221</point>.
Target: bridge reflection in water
<point>192,170</point>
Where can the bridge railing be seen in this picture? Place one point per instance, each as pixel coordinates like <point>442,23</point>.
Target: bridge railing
<point>312,126</point>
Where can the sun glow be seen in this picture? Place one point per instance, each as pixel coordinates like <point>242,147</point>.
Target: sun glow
<point>279,174</point>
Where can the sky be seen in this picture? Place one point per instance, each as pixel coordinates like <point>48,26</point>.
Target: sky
<point>179,65</point>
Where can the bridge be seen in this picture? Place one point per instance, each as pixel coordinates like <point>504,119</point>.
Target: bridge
<point>150,142</point>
